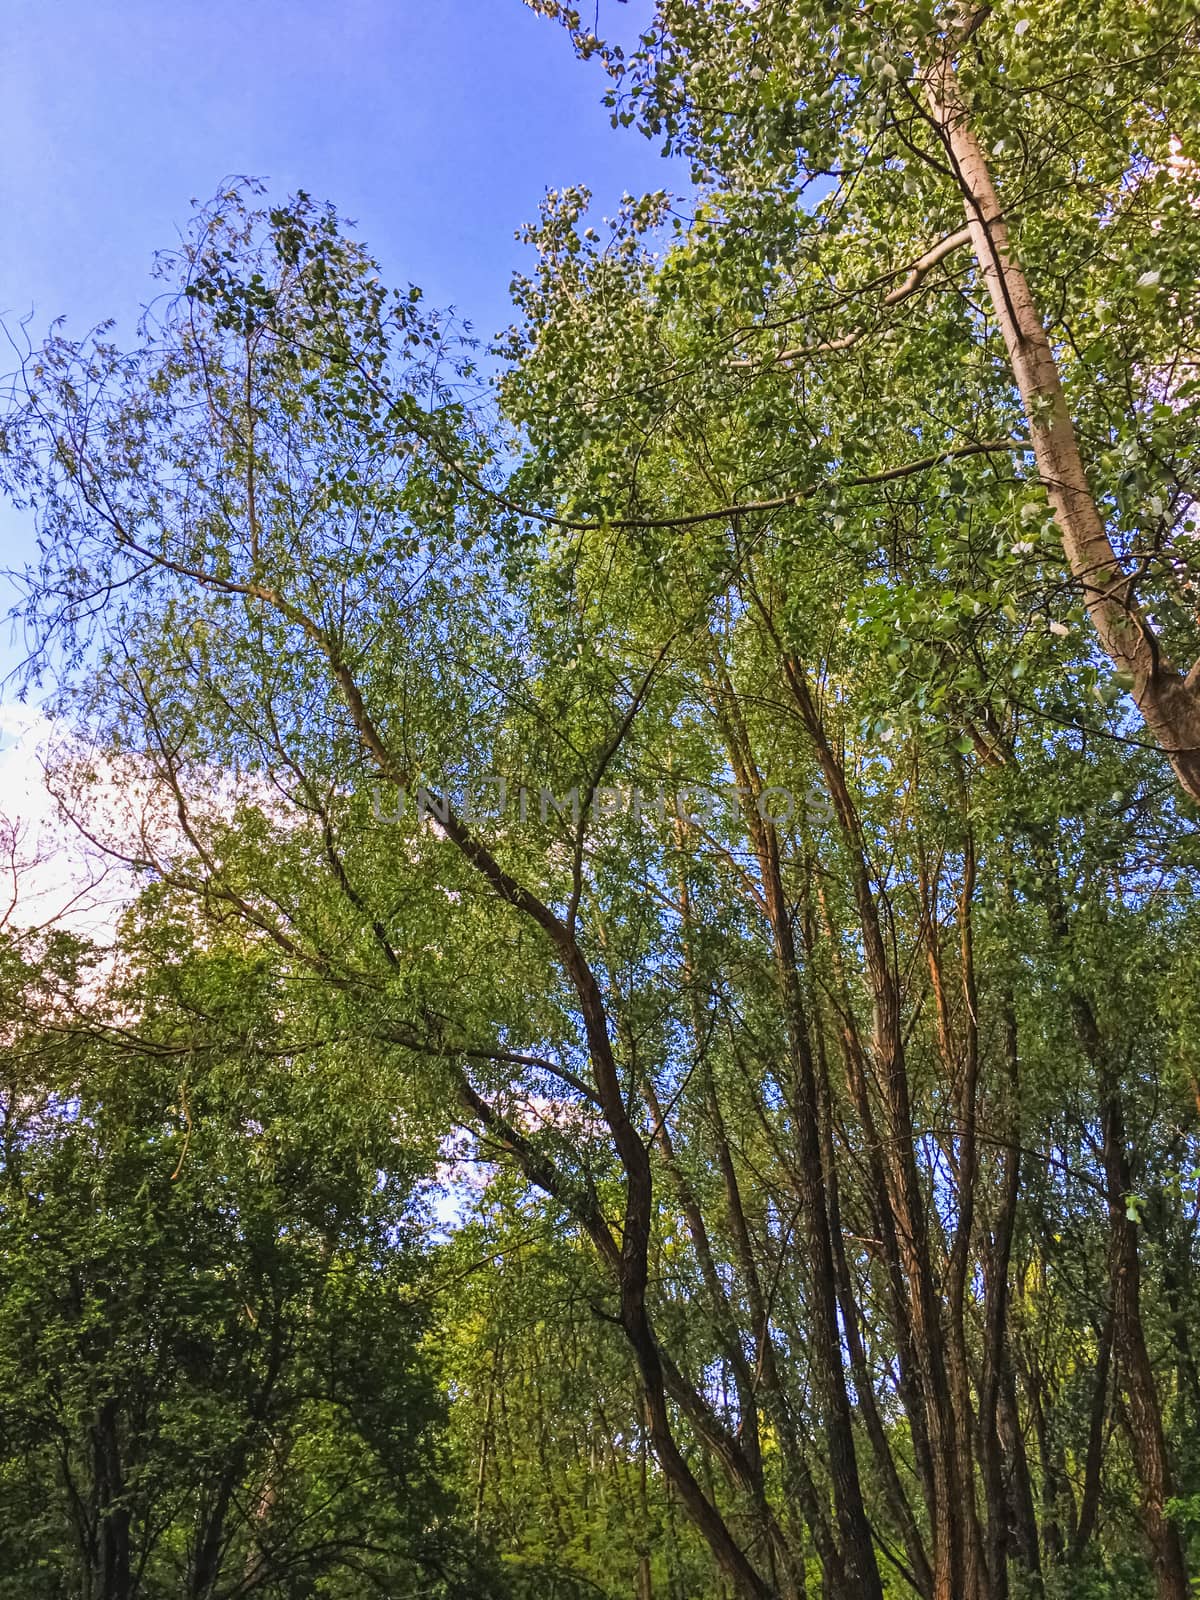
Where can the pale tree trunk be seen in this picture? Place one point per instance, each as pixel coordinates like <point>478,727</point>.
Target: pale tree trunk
<point>1168,701</point>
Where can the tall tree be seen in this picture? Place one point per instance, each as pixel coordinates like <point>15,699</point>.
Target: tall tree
<point>681,790</point>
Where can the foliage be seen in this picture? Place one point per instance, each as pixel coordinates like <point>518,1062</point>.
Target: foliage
<point>816,1089</point>
<point>213,1308</point>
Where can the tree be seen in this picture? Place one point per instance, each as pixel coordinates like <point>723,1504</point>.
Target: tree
<point>840,151</point>
<point>213,1306</point>
<point>824,1055</point>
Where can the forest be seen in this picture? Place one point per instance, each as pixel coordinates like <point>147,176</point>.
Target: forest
<point>652,1048</point>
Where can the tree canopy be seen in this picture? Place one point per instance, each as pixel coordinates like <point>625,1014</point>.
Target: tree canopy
<point>708,788</point>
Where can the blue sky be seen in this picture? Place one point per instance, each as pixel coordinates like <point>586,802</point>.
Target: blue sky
<point>435,124</point>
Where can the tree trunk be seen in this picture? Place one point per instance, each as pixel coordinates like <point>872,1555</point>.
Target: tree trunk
<point>1089,1499</point>
<point>1021,1543</point>
<point>112,1521</point>
<point>1145,1415</point>
<point>958,1573</point>
<point>854,1532</point>
<point>1168,701</point>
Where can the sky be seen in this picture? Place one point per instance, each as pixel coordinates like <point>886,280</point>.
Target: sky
<point>436,125</point>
